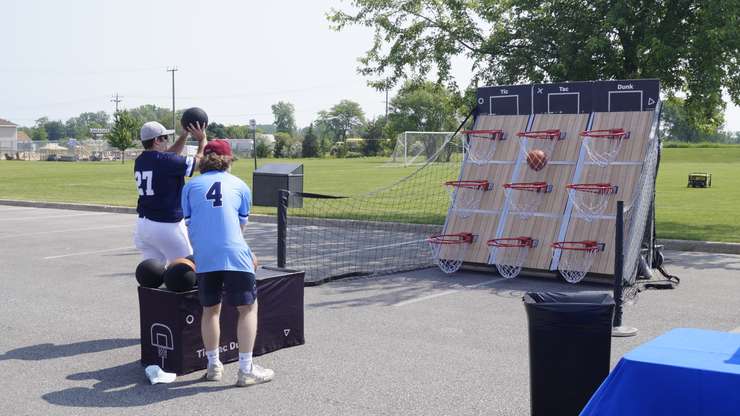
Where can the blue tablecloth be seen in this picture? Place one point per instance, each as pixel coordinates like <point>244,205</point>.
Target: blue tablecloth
<point>683,372</point>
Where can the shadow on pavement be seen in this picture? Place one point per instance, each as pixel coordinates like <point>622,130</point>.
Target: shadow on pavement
<point>50,351</point>
<point>125,386</point>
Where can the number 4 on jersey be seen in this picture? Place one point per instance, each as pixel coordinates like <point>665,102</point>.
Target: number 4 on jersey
<point>214,194</point>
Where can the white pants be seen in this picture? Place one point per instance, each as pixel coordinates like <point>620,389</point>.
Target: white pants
<point>164,241</point>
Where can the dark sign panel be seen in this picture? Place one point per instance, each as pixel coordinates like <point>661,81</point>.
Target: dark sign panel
<point>569,97</point>
<point>506,100</point>
<point>562,98</point>
<point>626,95</point>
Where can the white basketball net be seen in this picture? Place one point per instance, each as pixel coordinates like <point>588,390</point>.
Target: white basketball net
<point>539,140</point>
<point>509,258</point>
<point>602,146</point>
<point>480,145</point>
<point>525,198</point>
<point>576,261</point>
<point>466,196</point>
<point>591,200</point>
<point>448,251</point>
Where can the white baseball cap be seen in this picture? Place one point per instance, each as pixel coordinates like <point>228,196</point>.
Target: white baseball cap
<point>152,129</point>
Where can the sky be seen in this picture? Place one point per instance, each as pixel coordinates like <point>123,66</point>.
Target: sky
<point>233,58</point>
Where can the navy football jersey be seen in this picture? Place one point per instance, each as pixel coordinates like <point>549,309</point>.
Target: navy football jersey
<point>160,177</point>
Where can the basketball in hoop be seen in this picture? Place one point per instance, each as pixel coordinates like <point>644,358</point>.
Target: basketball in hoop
<point>536,159</point>
<point>537,146</point>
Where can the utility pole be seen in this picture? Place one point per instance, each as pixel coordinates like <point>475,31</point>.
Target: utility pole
<point>116,99</point>
<point>173,70</point>
<point>386,103</point>
<point>253,126</point>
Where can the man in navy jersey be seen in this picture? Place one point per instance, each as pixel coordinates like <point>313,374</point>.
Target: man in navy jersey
<point>160,174</point>
<point>216,207</point>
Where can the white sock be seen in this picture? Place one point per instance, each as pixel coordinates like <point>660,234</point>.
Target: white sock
<point>213,357</point>
<point>245,362</point>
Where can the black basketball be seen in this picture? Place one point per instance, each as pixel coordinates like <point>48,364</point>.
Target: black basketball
<point>150,273</point>
<point>193,115</point>
<point>180,277</point>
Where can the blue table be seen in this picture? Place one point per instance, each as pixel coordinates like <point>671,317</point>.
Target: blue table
<point>683,372</point>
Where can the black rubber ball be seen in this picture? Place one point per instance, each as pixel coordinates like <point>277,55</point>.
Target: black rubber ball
<point>193,115</point>
<point>180,278</point>
<point>150,273</point>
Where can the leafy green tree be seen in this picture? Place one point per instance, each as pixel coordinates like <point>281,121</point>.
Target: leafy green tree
<point>124,132</point>
<point>690,45</point>
<point>216,130</point>
<point>342,120</point>
<point>284,113</point>
<point>263,148</point>
<point>310,144</point>
<point>39,134</point>
<point>373,136</point>
<point>150,112</point>
<point>238,132</point>
<point>55,130</point>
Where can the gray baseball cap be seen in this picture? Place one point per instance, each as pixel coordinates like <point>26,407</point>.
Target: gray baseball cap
<point>152,129</point>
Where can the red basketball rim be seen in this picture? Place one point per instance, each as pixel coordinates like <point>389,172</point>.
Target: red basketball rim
<point>457,238</point>
<point>482,185</point>
<point>528,186</point>
<point>618,133</point>
<point>596,188</point>
<point>551,134</point>
<point>479,134</point>
<point>515,242</point>
<point>588,245</point>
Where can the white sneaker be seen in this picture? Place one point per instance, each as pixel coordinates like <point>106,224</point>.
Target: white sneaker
<point>214,372</point>
<point>256,376</point>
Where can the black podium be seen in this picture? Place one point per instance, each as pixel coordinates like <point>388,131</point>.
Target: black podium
<point>170,323</point>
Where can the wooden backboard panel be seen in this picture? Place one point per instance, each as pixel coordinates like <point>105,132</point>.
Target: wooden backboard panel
<point>624,172</point>
<point>602,231</point>
<point>543,229</point>
<point>484,222</point>
<point>571,124</point>
<point>637,123</point>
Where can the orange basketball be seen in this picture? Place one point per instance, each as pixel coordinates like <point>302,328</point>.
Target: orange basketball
<point>536,159</point>
<point>182,261</point>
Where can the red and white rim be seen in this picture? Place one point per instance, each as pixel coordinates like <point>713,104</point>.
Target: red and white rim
<point>484,134</point>
<point>482,185</point>
<point>529,186</point>
<point>595,188</point>
<point>618,133</point>
<point>588,245</point>
<point>457,238</point>
<point>521,242</point>
<point>551,134</point>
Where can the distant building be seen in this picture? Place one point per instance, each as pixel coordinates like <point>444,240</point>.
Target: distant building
<point>8,137</point>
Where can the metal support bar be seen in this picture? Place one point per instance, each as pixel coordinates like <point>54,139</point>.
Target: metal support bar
<point>282,226</point>
<point>617,329</point>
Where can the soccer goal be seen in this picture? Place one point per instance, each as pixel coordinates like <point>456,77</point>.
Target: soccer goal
<point>420,147</point>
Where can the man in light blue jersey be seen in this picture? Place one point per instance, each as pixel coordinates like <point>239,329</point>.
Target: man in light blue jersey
<point>216,207</point>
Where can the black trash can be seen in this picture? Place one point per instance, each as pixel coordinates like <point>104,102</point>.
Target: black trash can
<point>569,349</point>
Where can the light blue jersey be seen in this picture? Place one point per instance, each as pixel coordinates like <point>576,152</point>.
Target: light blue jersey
<point>214,205</point>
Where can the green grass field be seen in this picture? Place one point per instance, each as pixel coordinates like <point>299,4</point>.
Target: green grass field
<point>683,213</point>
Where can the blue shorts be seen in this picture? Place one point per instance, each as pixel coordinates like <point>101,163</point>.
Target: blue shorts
<point>239,288</point>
